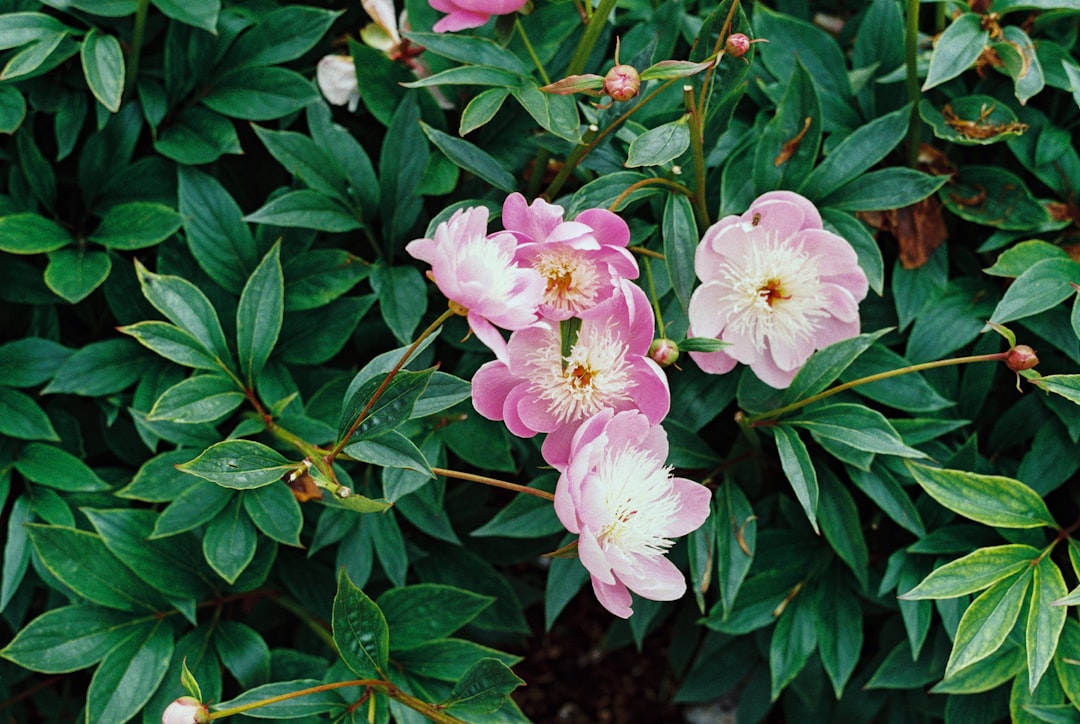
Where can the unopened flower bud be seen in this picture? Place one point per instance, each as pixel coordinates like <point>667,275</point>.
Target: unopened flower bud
<point>186,710</point>
<point>663,352</point>
<point>1021,357</point>
<point>622,83</point>
<point>737,44</point>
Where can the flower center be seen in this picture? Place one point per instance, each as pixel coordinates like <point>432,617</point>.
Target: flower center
<point>572,280</point>
<point>774,292</point>
<point>639,500</point>
<point>596,374</point>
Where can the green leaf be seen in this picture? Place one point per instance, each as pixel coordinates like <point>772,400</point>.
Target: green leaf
<point>793,640</point>
<point>481,109</point>
<point>239,464</point>
<point>882,487</point>
<point>302,157</point>
<point>16,557</point>
<point>1021,62</point>
<point>604,191</point>
<point>198,504</point>
<point>1064,664</point>
<point>988,620</point>
<point>994,196</point>
<point>1045,620</point>
<point>956,49</point>
<point>260,94</point>
<point>856,426</point>
<point>680,234</point>
<point>220,242</point>
<point>260,313</point>
<point>196,136</point>
<point>318,277</point>
<point>795,460</point>
<point>306,209</point>
<point>360,631</point>
<point>82,562</point>
<point>471,158</point>
<point>1042,286</point>
<point>21,417</point>
<point>887,188</point>
<point>425,612</point>
<point>297,707</point>
<point>29,233</point>
<point>34,56</point>
<point>402,296</point>
<point>99,368</point>
<point>103,67</point>
<point>136,225</point>
<point>173,343</point>
<point>556,114</point>
<point>989,499</point>
<point>993,671</point>
<point>736,541</point>
<point>185,305</point>
<point>230,541</point>
<point>12,107</point>
<point>526,516</point>
<point>275,511</point>
<point>857,153</point>
<point>789,145</point>
<point>909,392</point>
<point>443,391</point>
<point>403,158</point>
<point>281,35</point>
<point>1018,258</point>
<point>390,450</point>
<point>1068,386</point>
<point>200,398</point>
<point>202,14</point>
<point>69,638</point>
<point>660,145</point>
<point>839,519</point>
<point>469,49</point>
<point>74,273</point>
<point>393,406</point>
<point>243,652</point>
<point>972,120</point>
<point>21,28</point>
<point>825,365</point>
<point>484,688</point>
<point>839,629</point>
<point>128,675</point>
<point>57,468</point>
<point>974,572</point>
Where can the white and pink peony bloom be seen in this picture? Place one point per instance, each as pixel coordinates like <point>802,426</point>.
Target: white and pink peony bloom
<point>465,14</point>
<point>185,710</point>
<point>616,493</point>
<point>477,272</point>
<point>776,287</point>
<point>582,260</point>
<point>538,390</point>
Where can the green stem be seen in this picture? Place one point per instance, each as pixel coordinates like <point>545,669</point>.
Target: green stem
<point>911,59</point>
<point>494,482</point>
<point>531,51</point>
<point>654,181</point>
<point>652,295</point>
<point>721,39</point>
<point>592,32</point>
<point>132,70</point>
<point>751,420</point>
<point>536,180</point>
<point>697,152</point>
<point>386,383</point>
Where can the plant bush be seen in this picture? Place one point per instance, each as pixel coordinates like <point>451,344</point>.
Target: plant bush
<point>246,458</point>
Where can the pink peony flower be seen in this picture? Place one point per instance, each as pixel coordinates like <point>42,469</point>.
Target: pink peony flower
<point>617,495</point>
<point>582,260</point>
<point>776,287</point>
<point>536,390</point>
<point>478,273</point>
<point>185,710</point>
<point>471,13</point>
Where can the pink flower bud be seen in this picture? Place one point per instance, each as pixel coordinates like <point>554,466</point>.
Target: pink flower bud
<point>737,44</point>
<point>1021,357</point>
<point>622,83</point>
<point>663,352</point>
<point>186,710</point>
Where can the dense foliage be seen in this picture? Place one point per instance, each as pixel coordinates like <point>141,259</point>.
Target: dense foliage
<point>241,454</point>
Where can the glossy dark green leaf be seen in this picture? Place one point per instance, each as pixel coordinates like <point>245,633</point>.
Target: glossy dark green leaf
<point>402,160</point>
<point>200,398</point>
<point>220,242</point>
<point>185,305</point>
<point>481,109</point>
<point>526,516</point>
<point>471,158</point>
<point>393,406</point>
<point>857,153</point>
<point>12,109</point>
<point>243,652</point>
<point>974,572</point>
<point>196,505</point>
<point>857,426</point>
<point>604,191</point>
<point>306,209</point>
<point>997,668</point>
<point>909,392</point>
<point>260,94</point>
<point>230,540</point>
<point>136,225</point>
<point>281,35</point>
<point>838,517</point>
<point>793,640</point>
<point>239,464</point>
<point>196,136</point>
<point>22,418</point>
<point>57,468</point>
<point>443,391</point>
<point>988,620</point>
<point>297,707</point>
<point>996,197</point>
<point>200,15</point>
<point>260,313</point>
<point>174,344</point>
<point>73,274</point>
<point>956,49</point>
<point>736,541</point>
<point>360,631</point>
<point>83,562</point>
<point>314,337</point>
<point>274,510</point>
<point>69,638</point>
<point>16,556</point>
<point>426,612</point>
<point>825,365</point>
<point>789,145</point>
<point>660,145</point>
<point>1068,386</point>
<point>1042,286</point>
<point>989,499</point>
<point>882,487</point>
<point>485,687</point>
<point>795,460</point>
<point>103,68</point>
<point>99,368</point>
<point>320,276</point>
<point>29,233</point>
<point>839,629</point>
<point>1045,620</point>
<point>128,675</point>
<point>888,188</point>
<point>680,234</point>
<point>448,659</point>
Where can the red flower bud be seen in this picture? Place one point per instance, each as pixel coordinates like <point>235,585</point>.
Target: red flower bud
<point>1021,357</point>
<point>664,352</point>
<point>622,83</point>
<point>737,44</point>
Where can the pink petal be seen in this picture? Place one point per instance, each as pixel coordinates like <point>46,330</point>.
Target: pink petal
<point>715,363</point>
<point>608,227</point>
<point>491,386</point>
<point>655,578</point>
<point>593,558</point>
<point>694,500</point>
<point>614,597</point>
<point>784,211</point>
<point>564,506</point>
<point>490,336</point>
<point>651,393</point>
